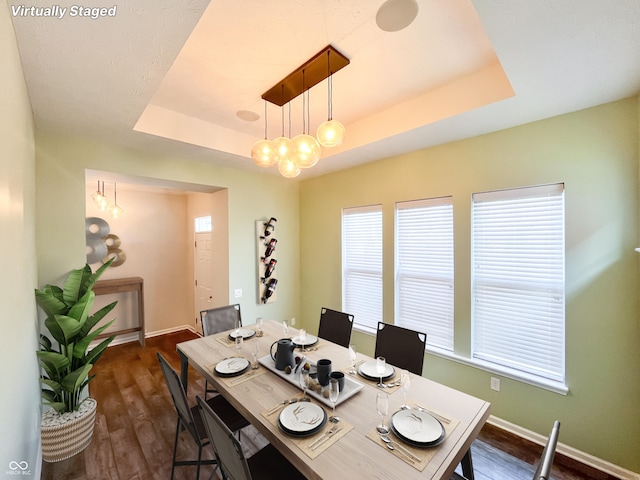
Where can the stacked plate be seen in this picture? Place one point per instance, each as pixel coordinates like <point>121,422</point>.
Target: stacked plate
<point>368,370</point>
<point>230,367</point>
<point>302,419</point>
<point>417,428</point>
<point>242,332</point>
<point>310,340</point>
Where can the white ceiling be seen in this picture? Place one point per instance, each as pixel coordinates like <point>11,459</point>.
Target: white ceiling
<point>170,75</point>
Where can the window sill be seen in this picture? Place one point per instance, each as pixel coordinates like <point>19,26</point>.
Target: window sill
<point>551,385</point>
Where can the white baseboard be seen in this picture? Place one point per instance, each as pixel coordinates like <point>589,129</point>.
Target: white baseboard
<point>135,336</point>
<point>565,450</point>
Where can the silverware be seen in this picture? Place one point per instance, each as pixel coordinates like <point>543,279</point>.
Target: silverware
<point>439,417</point>
<point>281,405</point>
<point>241,377</point>
<point>386,439</point>
<point>327,435</point>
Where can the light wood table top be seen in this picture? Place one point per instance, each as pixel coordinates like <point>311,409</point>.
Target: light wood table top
<point>354,455</point>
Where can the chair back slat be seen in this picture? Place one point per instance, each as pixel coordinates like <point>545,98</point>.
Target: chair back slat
<point>220,319</point>
<point>174,384</point>
<point>226,446</point>
<point>402,347</point>
<point>335,326</point>
<point>543,471</point>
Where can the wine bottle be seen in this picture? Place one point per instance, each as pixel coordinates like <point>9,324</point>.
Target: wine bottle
<point>271,287</point>
<point>271,266</point>
<point>271,246</point>
<point>269,227</point>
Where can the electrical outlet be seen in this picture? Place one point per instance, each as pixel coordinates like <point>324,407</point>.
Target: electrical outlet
<point>293,321</point>
<point>237,293</point>
<point>495,384</point>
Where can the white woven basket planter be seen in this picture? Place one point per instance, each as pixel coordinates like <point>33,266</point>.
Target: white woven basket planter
<point>66,435</point>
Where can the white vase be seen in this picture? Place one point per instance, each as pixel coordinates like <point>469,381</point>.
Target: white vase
<point>65,435</point>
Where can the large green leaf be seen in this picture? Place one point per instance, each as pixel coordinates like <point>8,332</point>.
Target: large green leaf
<point>97,351</point>
<point>96,276</point>
<point>82,308</point>
<point>73,381</point>
<point>45,343</point>
<point>81,346</point>
<point>95,318</point>
<point>64,329</point>
<point>55,387</point>
<point>55,360</point>
<point>50,304</point>
<point>73,285</point>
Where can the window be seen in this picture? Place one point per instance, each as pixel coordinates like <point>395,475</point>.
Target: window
<point>518,280</point>
<point>203,224</point>
<point>362,265</point>
<point>424,269</point>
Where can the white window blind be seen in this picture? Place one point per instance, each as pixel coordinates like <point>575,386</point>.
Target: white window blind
<point>424,269</point>
<point>518,279</point>
<point>362,265</point>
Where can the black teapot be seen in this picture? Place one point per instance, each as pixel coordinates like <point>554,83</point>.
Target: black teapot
<point>284,353</point>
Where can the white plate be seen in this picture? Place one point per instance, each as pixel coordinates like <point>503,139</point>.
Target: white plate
<point>302,417</point>
<point>232,366</point>
<point>417,426</point>
<point>311,340</point>
<point>244,332</point>
<point>368,369</point>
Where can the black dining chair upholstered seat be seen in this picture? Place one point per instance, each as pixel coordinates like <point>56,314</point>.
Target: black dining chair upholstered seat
<point>219,319</point>
<point>335,326</point>
<point>190,418</point>
<point>401,347</point>
<point>267,463</point>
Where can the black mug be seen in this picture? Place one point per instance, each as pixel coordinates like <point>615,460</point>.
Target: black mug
<point>324,370</point>
<point>339,376</point>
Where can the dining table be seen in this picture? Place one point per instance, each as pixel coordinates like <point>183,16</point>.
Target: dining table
<point>351,448</point>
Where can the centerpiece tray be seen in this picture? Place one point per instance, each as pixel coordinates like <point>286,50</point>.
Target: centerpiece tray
<point>351,386</point>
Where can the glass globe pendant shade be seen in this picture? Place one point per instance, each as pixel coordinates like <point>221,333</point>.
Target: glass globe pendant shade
<point>281,149</point>
<point>116,211</point>
<point>330,133</point>
<point>305,150</point>
<point>288,168</point>
<point>263,153</point>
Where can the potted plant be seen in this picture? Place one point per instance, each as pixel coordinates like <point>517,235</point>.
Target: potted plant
<point>66,428</point>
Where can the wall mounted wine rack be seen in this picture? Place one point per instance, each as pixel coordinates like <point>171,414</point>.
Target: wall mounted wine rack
<point>267,262</point>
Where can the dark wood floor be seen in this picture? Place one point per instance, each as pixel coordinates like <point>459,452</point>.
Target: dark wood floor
<point>135,427</point>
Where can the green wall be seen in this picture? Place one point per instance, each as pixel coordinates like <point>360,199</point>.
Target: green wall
<point>595,152</point>
<point>60,177</point>
<point>20,404</point>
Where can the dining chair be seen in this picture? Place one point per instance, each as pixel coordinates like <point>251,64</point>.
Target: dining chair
<point>267,463</point>
<point>219,319</point>
<point>546,460</point>
<point>190,419</point>
<point>401,347</point>
<point>335,326</point>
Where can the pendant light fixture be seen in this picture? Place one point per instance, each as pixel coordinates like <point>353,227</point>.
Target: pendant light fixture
<point>116,210</point>
<point>100,198</point>
<point>331,132</point>
<point>263,150</point>
<point>303,151</point>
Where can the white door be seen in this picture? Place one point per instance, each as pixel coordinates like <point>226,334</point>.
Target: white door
<point>203,273</point>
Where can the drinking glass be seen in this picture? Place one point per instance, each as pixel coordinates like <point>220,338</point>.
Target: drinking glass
<point>334,393</point>
<point>239,341</point>
<point>255,347</point>
<point>304,384</point>
<point>352,359</point>
<point>259,325</point>
<point>303,338</point>
<point>381,366</point>
<point>405,381</point>
<point>285,328</point>
<point>382,406</point>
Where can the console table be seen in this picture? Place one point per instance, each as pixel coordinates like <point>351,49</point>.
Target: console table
<point>119,285</point>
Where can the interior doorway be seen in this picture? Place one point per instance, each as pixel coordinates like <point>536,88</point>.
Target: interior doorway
<point>203,265</point>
